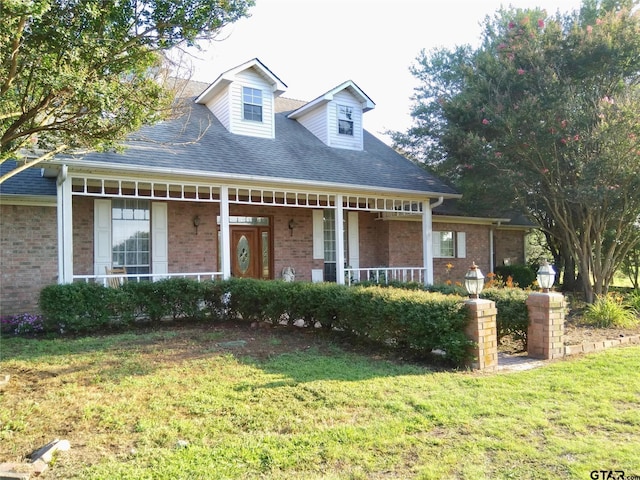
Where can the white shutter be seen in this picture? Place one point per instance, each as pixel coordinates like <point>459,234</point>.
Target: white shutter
<point>437,251</point>
<point>461,244</point>
<point>354,240</point>
<point>159,240</point>
<point>101,237</point>
<point>318,235</point>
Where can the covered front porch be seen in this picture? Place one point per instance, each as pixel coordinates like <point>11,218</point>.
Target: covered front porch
<point>196,228</point>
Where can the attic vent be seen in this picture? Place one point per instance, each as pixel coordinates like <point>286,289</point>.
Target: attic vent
<point>345,120</point>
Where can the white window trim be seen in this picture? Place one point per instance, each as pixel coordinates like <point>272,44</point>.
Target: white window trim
<point>253,104</point>
<point>459,244</point>
<point>346,117</point>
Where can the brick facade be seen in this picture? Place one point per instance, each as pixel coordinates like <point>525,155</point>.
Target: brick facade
<point>482,331</point>
<point>477,250</point>
<point>83,236</point>
<point>546,325</point>
<point>28,256</point>
<point>381,244</point>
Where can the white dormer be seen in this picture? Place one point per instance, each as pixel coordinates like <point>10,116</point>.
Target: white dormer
<point>243,99</point>
<point>336,117</point>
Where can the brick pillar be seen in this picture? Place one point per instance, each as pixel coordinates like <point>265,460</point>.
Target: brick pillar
<point>482,330</point>
<point>546,325</point>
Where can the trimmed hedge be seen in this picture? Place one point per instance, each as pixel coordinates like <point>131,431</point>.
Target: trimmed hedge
<point>523,276</point>
<point>513,315</point>
<point>412,320</point>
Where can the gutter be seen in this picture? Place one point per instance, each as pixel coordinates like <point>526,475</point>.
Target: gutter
<point>250,178</point>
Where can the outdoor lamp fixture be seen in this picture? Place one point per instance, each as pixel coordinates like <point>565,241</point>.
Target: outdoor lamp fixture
<point>546,276</point>
<point>474,281</point>
<point>292,224</point>
<point>196,222</point>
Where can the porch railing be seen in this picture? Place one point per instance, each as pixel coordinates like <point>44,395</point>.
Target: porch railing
<point>200,276</point>
<point>384,275</point>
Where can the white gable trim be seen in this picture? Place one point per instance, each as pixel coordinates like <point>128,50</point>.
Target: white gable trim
<point>364,100</point>
<point>228,77</point>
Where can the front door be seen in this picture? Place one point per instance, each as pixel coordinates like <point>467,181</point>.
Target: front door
<point>245,253</point>
<point>251,252</point>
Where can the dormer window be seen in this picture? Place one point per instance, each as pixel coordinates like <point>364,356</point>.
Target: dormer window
<point>252,104</point>
<point>345,120</point>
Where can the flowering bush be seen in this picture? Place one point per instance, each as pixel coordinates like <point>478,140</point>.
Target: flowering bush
<point>23,324</point>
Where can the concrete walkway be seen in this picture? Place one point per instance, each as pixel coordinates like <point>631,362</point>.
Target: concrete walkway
<point>517,363</point>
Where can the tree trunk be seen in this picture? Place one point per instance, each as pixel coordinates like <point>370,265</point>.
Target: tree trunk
<point>569,280</point>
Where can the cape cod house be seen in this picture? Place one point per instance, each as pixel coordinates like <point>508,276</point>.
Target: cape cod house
<point>245,183</point>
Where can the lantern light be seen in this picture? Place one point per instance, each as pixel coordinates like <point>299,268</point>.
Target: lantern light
<point>474,281</point>
<point>546,276</point>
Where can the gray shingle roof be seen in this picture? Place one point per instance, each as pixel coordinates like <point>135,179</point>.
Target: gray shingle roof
<point>197,142</point>
<point>27,182</point>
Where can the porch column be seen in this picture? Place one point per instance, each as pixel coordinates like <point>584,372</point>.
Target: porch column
<point>339,241</point>
<point>427,244</point>
<point>225,241</point>
<point>65,227</point>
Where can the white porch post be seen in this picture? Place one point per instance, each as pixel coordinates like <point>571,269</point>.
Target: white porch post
<point>65,227</point>
<point>427,245</point>
<point>225,241</point>
<point>339,241</point>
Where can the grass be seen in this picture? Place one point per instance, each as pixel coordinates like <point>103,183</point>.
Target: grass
<point>288,406</point>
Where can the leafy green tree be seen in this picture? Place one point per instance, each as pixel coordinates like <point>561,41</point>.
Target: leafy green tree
<point>631,263</point>
<point>81,74</point>
<point>544,115</point>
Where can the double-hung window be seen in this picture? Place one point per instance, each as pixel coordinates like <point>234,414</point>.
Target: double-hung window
<point>345,120</point>
<point>130,234</point>
<point>252,104</point>
<point>449,245</point>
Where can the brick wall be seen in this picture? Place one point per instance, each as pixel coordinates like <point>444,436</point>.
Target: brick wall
<point>477,250</point>
<point>405,244</point>
<point>190,251</point>
<point>28,256</point>
<point>374,240</point>
<point>83,236</point>
<point>509,244</point>
<point>382,243</point>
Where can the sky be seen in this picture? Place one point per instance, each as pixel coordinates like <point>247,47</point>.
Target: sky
<point>315,45</point>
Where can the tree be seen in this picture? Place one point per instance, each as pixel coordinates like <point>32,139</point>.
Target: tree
<point>631,264</point>
<point>544,116</point>
<point>81,74</point>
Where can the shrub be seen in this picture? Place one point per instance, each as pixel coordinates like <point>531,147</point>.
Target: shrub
<point>523,276</point>
<point>610,311</point>
<point>404,319</point>
<point>633,300</point>
<point>513,315</point>
<point>181,297</point>
<point>144,300</point>
<point>216,299</point>
<point>76,307</point>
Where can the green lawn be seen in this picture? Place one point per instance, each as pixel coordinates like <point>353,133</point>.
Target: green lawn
<point>291,406</point>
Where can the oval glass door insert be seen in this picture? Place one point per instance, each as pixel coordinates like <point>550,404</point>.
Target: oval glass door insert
<point>244,255</point>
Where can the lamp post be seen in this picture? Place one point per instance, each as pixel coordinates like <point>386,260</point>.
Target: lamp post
<point>546,276</point>
<point>474,281</point>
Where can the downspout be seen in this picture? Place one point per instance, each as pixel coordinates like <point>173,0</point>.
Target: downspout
<point>437,203</point>
<point>427,234</point>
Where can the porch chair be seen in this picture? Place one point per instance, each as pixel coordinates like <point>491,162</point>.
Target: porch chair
<point>115,282</point>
